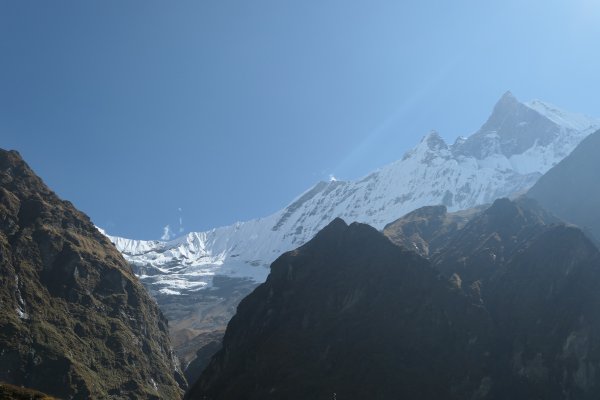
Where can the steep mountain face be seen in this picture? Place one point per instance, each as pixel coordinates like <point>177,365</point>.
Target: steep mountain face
<point>545,306</point>
<point>536,278</point>
<point>517,144</point>
<point>571,190</point>
<point>491,239</point>
<point>349,314</point>
<point>532,137</point>
<point>212,344</point>
<point>75,322</point>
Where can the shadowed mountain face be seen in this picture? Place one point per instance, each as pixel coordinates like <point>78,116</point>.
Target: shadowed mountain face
<point>491,238</point>
<point>352,314</point>
<point>538,280</point>
<point>74,320</point>
<point>545,304</point>
<point>571,190</point>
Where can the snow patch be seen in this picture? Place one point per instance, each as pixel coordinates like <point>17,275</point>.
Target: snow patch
<point>169,292</point>
<point>20,309</point>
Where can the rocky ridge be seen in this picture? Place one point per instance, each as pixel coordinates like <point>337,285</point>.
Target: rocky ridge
<point>513,315</point>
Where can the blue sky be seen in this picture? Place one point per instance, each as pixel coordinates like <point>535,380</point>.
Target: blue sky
<point>143,113</point>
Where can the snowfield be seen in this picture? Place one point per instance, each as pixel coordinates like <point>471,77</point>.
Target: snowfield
<point>518,143</point>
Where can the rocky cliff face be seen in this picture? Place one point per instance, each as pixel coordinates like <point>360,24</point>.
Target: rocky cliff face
<point>514,315</point>
<point>537,278</point>
<point>545,303</point>
<point>491,239</point>
<point>350,315</point>
<point>75,322</point>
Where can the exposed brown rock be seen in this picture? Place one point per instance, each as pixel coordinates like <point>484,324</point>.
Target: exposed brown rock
<point>74,320</point>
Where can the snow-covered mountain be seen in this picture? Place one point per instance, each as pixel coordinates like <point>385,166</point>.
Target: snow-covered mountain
<point>518,143</point>
<point>199,279</point>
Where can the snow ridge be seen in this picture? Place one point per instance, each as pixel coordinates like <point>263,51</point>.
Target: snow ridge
<point>517,144</point>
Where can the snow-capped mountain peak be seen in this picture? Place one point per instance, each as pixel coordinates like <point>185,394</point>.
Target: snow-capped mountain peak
<point>568,120</point>
<point>514,147</point>
<point>430,147</point>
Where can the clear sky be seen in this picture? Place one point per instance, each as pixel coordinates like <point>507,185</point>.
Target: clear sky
<point>143,113</point>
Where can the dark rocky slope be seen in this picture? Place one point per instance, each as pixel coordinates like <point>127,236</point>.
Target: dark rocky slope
<point>491,238</point>
<point>538,280</point>
<point>350,313</point>
<point>571,190</point>
<point>211,343</point>
<point>545,304</point>
<point>74,320</point>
